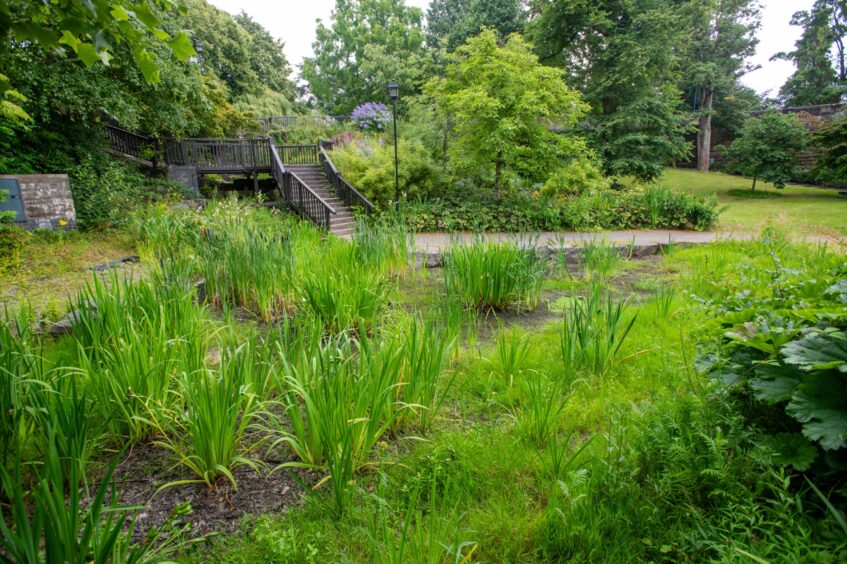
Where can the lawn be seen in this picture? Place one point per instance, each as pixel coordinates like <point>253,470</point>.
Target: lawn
<point>801,209</point>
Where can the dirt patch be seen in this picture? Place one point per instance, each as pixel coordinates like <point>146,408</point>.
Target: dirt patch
<point>219,510</point>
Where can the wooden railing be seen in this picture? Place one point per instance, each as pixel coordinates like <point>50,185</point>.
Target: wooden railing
<point>288,122</point>
<point>222,154</point>
<point>297,193</point>
<point>299,154</point>
<point>349,195</point>
<point>132,144</point>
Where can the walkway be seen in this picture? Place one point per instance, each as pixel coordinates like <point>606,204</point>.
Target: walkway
<point>638,238</point>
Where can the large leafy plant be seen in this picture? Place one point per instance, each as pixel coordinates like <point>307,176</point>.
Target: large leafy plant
<point>791,368</point>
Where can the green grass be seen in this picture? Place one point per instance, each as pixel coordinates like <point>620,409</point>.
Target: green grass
<point>804,210</point>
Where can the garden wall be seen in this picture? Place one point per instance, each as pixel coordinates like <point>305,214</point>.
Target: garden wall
<point>46,199</point>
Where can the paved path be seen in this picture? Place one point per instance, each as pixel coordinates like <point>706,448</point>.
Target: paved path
<point>440,241</point>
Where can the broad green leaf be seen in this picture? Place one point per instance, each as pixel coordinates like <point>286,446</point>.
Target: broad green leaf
<point>793,449</point>
<point>839,289</point>
<point>70,40</point>
<point>774,383</point>
<point>87,54</point>
<point>819,350</point>
<point>147,65</point>
<point>821,406</point>
<point>119,13</point>
<point>181,46</point>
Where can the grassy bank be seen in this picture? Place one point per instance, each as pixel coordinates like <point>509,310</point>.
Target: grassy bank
<point>801,209</point>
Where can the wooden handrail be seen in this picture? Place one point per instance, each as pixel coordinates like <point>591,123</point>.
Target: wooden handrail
<point>297,194</point>
<point>344,189</point>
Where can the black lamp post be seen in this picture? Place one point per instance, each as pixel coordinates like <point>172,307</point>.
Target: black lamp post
<point>394,93</point>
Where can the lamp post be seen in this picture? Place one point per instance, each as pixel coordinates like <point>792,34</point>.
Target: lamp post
<point>394,93</point>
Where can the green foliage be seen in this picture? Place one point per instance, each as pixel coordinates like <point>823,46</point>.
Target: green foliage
<point>107,191</point>
<point>625,58</point>
<point>491,275</point>
<point>593,331</point>
<point>339,405</point>
<point>131,340</point>
<point>500,101</point>
<point>577,177</point>
<point>816,80</point>
<point>767,148</point>
<point>642,137</point>
<point>94,32</point>
<point>832,163</point>
<point>369,43</point>
<point>208,433</point>
<point>652,206</point>
<point>449,23</point>
<point>369,166</point>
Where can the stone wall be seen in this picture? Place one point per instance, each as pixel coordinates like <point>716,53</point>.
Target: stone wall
<point>47,199</point>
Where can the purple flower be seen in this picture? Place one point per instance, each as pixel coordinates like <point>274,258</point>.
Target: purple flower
<point>371,115</point>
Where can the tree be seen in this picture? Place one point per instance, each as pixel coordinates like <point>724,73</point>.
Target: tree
<point>832,141</point>
<point>93,30</point>
<point>767,148</point>
<point>816,80</point>
<point>723,36</point>
<point>623,57</point>
<point>237,50</point>
<point>368,43</point>
<point>451,22</point>
<point>499,101</point>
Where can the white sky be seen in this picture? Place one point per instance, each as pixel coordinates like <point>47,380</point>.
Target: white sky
<point>293,21</point>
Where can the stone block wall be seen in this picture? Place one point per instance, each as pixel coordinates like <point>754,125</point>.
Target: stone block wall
<point>47,200</point>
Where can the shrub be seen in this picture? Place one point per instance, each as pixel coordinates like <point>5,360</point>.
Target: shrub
<point>578,177</point>
<point>107,191</point>
<point>631,209</point>
<point>368,164</point>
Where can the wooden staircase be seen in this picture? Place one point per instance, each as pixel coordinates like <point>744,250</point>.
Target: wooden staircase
<point>342,223</point>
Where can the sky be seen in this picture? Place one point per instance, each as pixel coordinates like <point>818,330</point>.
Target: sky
<point>293,21</point>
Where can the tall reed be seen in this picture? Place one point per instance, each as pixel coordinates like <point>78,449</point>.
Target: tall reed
<point>494,275</point>
<point>423,387</point>
<point>208,433</point>
<point>593,330</point>
<point>339,403</point>
<point>132,340</point>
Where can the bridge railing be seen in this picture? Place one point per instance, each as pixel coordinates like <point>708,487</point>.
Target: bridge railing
<point>297,193</point>
<point>268,123</point>
<point>299,154</point>
<point>349,195</point>
<point>223,154</point>
<point>129,143</point>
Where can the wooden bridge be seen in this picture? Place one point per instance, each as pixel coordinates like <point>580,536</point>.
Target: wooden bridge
<point>306,178</point>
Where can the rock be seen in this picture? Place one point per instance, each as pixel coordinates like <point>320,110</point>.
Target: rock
<point>114,263</point>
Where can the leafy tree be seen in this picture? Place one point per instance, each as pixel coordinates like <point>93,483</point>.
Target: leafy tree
<point>723,35</point>
<point>238,50</point>
<point>368,43</point>
<point>92,30</point>
<point>450,23</point>
<point>642,136</point>
<point>832,140</point>
<point>623,57</point>
<point>816,80</point>
<point>499,101</point>
<point>767,148</point>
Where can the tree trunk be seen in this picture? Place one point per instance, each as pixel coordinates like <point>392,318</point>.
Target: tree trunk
<point>753,189</point>
<point>498,167</point>
<point>704,132</point>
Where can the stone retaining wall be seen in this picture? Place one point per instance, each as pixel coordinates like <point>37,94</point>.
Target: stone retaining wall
<point>47,200</point>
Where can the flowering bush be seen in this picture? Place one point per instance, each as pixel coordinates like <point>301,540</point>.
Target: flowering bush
<point>371,115</point>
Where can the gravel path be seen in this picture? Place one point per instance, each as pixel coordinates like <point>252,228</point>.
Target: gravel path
<point>439,241</point>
